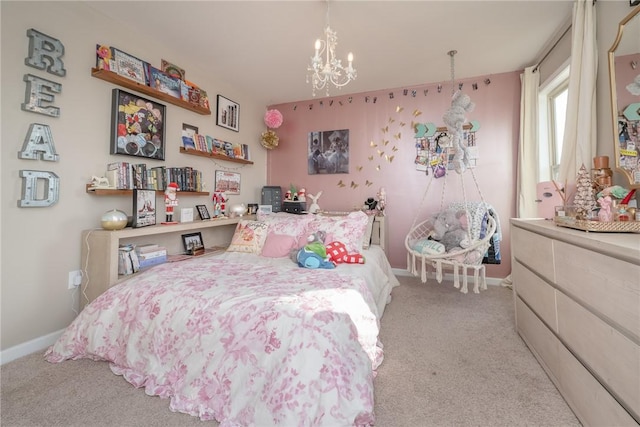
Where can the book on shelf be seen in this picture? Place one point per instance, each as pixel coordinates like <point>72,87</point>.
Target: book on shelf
<point>149,262</point>
<point>188,143</point>
<point>149,255</point>
<point>163,82</point>
<point>150,247</point>
<point>128,262</point>
<point>123,171</point>
<point>201,142</point>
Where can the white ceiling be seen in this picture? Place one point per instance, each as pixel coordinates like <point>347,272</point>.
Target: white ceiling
<point>265,46</point>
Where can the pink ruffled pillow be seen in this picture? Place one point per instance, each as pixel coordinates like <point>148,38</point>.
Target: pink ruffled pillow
<point>278,245</point>
<point>286,223</point>
<point>348,229</point>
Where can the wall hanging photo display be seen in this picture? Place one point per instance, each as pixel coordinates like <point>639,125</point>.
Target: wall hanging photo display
<point>144,208</point>
<point>137,126</point>
<point>228,114</point>
<point>328,152</point>
<point>227,182</point>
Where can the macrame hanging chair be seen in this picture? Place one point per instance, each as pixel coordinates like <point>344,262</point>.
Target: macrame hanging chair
<point>481,218</point>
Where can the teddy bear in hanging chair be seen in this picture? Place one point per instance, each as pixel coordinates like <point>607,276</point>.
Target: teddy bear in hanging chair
<point>454,118</point>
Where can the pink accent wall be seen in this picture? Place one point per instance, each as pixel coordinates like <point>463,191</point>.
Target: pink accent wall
<point>375,117</point>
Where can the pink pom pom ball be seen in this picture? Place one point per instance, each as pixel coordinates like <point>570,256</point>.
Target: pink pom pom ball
<point>273,119</point>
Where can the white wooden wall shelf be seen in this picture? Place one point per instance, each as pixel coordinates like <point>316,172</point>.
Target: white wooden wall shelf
<point>111,77</point>
<point>214,156</point>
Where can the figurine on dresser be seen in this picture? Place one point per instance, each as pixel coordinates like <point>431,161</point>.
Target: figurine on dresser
<point>605,213</point>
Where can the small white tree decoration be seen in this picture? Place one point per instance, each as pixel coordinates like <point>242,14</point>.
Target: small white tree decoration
<point>584,200</point>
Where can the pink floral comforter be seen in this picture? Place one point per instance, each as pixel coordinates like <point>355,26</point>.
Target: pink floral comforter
<point>246,344</point>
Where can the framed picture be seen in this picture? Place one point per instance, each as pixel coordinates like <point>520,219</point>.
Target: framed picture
<point>192,242</point>
<point>328,152</point>
<point>144,208</point>
<point>130,67</point>
<point>227,182</point>
<point>265,209</point>
<point>228,114</point>
<point>186,215</point>
<point>203,212</point>
<point>252,208</point>
<point>137,126</point>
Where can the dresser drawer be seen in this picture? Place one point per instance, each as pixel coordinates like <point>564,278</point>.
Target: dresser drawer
<point>592,403</point>
<point>534,251</point>
<point>536,293</point>
<point>542,342</point>
<point>613,357</point>
<point>607,285</point>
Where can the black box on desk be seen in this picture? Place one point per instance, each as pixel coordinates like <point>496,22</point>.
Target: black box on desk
<point>294,207</point>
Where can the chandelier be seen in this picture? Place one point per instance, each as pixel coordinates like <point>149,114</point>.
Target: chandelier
<point>331,71</point>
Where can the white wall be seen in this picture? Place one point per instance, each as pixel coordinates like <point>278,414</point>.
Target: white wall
<point>41,245</point>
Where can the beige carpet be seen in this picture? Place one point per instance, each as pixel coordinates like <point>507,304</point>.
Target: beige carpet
<point>450,360</point>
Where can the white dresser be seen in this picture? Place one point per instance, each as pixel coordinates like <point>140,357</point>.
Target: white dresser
<point>577,303</point>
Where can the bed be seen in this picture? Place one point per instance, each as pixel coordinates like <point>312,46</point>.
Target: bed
<point>249,338</point>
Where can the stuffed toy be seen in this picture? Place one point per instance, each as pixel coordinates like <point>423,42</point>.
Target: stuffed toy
<point>450,228</point>
<point>454,118</point>
<point>309,259</point>
<point>314,208</point>
<point>313,254</point>
<point>337,253</point>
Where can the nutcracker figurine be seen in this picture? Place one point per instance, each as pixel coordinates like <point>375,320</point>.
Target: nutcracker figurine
<point>170,202</point>
<point>219,200</point>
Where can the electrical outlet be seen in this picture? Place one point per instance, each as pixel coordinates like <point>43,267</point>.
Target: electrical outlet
<point>75,279</point>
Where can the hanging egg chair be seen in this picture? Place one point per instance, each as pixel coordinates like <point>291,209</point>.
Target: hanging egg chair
<point>459,235</point>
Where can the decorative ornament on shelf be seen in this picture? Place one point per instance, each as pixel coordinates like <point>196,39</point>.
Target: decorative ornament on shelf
<point>273,120</point>
<point>114,220</point>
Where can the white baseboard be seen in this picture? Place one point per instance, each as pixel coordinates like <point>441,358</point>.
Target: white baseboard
<point>493,281</point>
<point>20,350</point>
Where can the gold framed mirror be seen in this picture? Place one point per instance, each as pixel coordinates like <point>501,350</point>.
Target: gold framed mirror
<point>624,78</point>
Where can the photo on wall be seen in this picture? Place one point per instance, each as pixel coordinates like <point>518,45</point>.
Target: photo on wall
<point>328,152</point>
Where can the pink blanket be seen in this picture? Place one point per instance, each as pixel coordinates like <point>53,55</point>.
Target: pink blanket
<point>242,343</point>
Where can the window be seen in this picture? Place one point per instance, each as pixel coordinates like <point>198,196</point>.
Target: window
<point>552,116</point>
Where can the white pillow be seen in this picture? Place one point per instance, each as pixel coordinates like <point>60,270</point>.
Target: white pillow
<point>348,229</point>
<point>286,223</point>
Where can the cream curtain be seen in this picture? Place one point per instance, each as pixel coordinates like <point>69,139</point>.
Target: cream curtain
<point>527,169</point>
<point>579,143</point>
